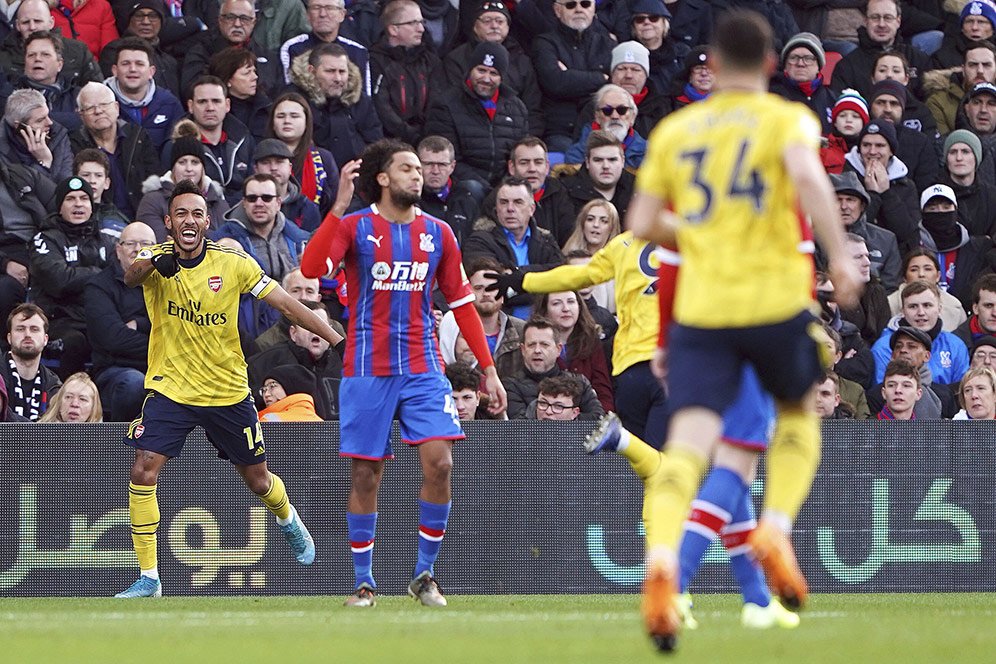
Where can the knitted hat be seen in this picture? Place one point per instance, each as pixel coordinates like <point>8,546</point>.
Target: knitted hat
<point>809,41</point>
<point>938,191</point>
<point>631,52</point>
<point>891,88</point>
<point>649,7</point>
<point>493,6</point>
<point>71,184</point>
<point>489,55</point>
<point>969,139</point>
<point>158,6</point>
<point>294,378</point>
<point>985,340</point>
<point>848,183</point>
<point>913,333</point>
<point>186,146</point>
<point>982,8</point>
<point>850,100</point>
<point>883,128</point>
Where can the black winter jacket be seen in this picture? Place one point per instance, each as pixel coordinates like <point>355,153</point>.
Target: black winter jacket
<point>821,103</point>
<point>235,163</point>
<point>587,56</point>
<point>581,190</point>
<point>64,258</point>
<point>403,84</point>
<point>138,155</point>
<point>109,304</point>
<point>481,145</point>
<point>78,64</point>
<point>34,194</point>
<point>520,77</point>
<point>976,206</point>
<point>855,69</point>
<point>489,239</point>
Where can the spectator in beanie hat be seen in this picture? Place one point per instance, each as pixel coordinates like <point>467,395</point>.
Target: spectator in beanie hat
<point>800,79</point>
<point>847,118</point>
<point>887,101</point>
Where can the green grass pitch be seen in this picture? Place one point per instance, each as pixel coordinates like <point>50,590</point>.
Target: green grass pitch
<point>908,629</point>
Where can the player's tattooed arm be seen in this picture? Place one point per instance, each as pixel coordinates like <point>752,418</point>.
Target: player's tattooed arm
<point>300,315</point>
<point>139,270</point>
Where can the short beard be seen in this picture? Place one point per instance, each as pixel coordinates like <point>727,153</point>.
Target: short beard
<point>619,131</point>
<point>403,199</point>
<point>25,354</point>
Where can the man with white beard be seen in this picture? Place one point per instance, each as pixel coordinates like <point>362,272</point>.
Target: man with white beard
<point>615,112</point>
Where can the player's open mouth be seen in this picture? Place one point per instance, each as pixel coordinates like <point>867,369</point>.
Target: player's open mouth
<point>189,235</point>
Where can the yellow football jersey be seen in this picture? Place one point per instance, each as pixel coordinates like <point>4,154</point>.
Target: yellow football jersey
<point>744,241</point>
<point>633,264</point>
<point>195,357</point>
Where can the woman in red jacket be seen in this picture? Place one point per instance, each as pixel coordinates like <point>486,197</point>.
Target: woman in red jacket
<point>89,21</point>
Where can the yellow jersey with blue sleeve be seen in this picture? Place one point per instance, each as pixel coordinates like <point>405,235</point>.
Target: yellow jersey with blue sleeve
<point>195,356</point>
<point>719,165</point>
<point>633,264</point>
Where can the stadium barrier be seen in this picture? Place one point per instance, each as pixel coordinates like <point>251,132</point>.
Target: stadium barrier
<point>897,507</point>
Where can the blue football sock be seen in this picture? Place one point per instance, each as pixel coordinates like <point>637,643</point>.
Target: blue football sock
<point>712,509</point>
<point>431,528</point>
<point>745,569</point>
<point>362,529</point>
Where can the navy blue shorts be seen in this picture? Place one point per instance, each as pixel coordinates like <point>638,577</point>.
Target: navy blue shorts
<point>423,404</point>
<point>705,365</point>
<point>163,425</point>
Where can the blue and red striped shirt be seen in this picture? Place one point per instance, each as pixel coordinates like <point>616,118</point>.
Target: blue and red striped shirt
<point>390,269</point>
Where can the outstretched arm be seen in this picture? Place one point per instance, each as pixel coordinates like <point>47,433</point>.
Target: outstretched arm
<point>302,316</point>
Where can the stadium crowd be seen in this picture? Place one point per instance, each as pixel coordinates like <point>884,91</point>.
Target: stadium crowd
<point>530,119</point>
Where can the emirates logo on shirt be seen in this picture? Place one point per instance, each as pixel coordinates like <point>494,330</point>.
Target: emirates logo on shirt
<point>214,283</point>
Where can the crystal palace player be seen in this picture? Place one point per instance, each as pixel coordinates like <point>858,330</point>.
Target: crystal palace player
<point>197,374</point>
<point>735,170</point>
<point>393,253</point>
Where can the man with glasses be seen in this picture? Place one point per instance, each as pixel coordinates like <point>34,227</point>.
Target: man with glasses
<point>142,100</point>
<point>615,113</point>
<point>145,19</point>
<point>558,399</point>
<point>262,229</point>
<point>402,68</point>
<point>879,33</point>
<point>32,16</point>
<point>236,27</point>
<point>118,327</point>
<point>651,26</point>
<point>984,353</point>
<point>273,157</point>
<point>302,348</point>
<point>444,196</point>
<point>325,17</point>
<point>800,80</point>
<point>540,351</point>
<point>129,148</point>
<point>572,61</point>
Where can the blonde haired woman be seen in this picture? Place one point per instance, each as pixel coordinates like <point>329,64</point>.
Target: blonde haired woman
<point>977,395</point>
<point>76,401</point>
<point>597,223</point>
